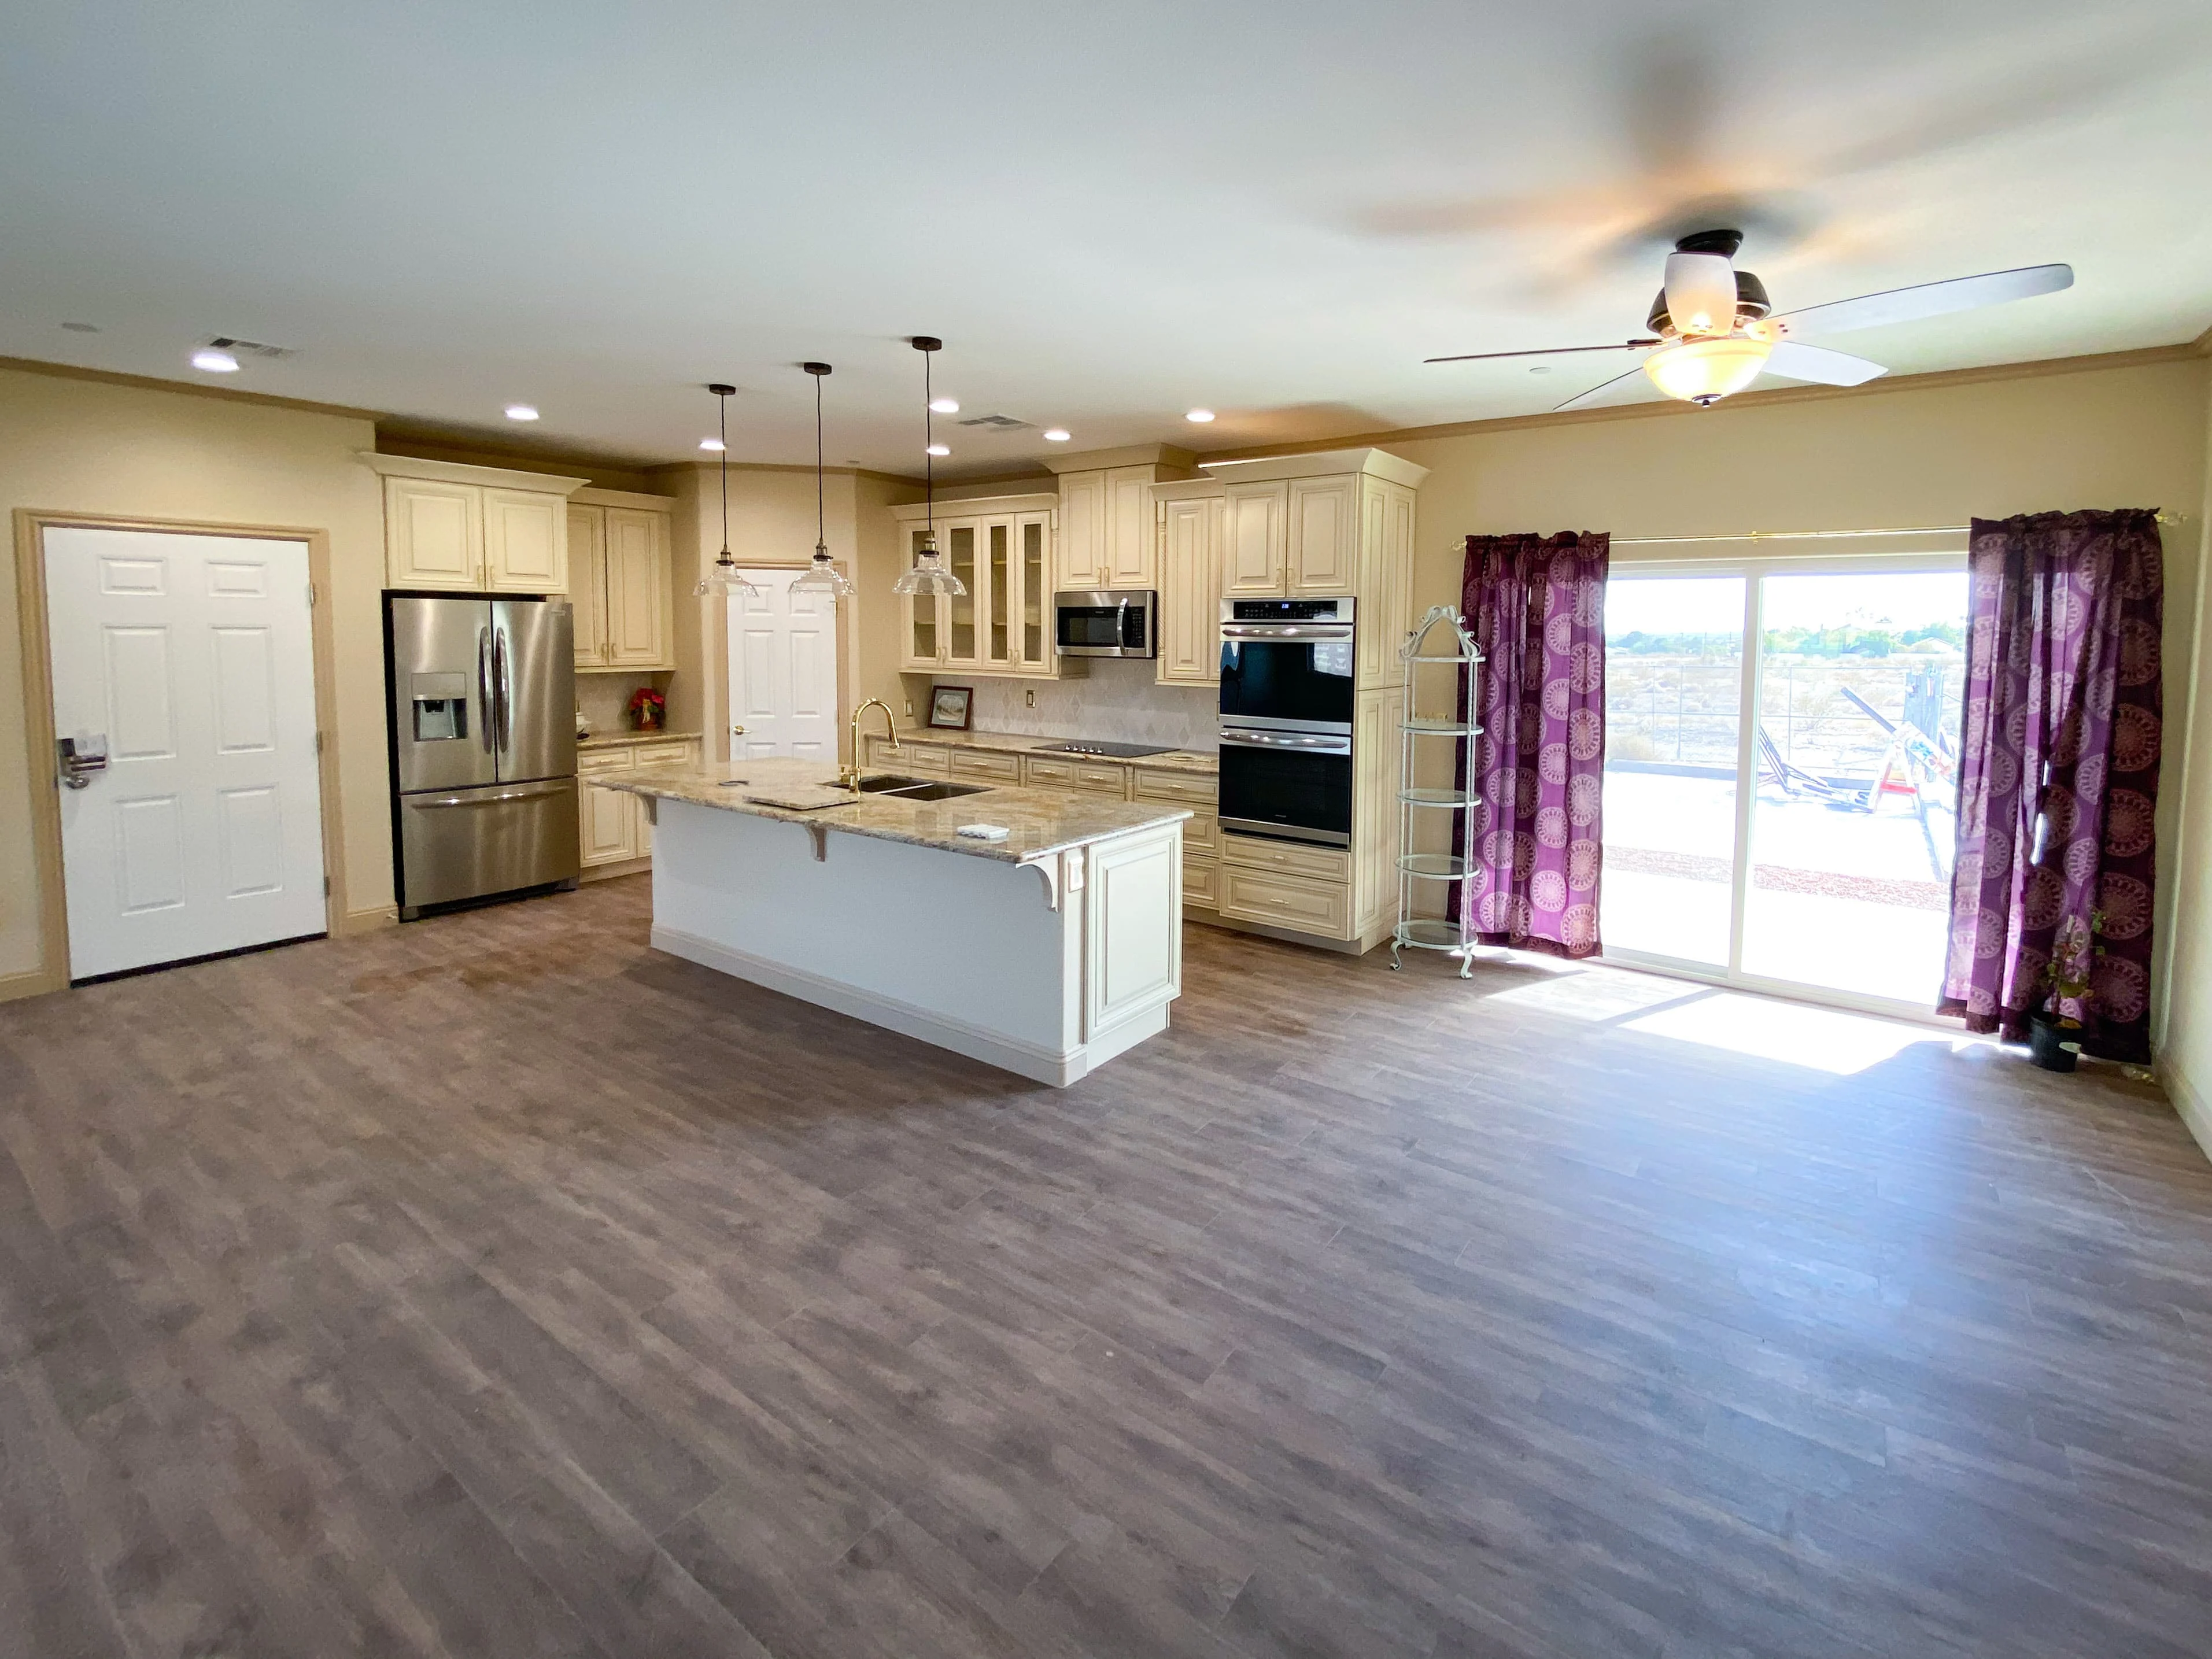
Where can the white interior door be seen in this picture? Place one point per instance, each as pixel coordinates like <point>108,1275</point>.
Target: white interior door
<point>189,661</point>
<point>783,671</point>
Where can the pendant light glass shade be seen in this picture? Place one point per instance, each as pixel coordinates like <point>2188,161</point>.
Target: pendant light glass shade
<point>927,575</point>
<point>723,577</point>
<point>821,576</point>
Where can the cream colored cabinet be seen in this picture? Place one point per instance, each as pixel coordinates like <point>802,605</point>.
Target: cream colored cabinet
<point>525,542</point>
<point>1252,546</point>
<point>1001,549</point>
<point>587,586</point>
<point>613,827</point>
<point>623,571</point>
<point>473,528</point>
<point>1084,555</point>
<point>1386,578</point>
<point>1189,536</point>
<point>1106,532</point>
<point>1131,560</point>
<point>1321,521</point>
<point>432,534</point>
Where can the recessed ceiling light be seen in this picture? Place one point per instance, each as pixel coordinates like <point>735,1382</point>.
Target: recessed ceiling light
<point>945,406</point>
<point>1202,415</point>
<point>939,449</point>
<point>215,362</point>
<point>713,446</point>
<point>520,412</point>
<point>1057,434</point>
<point>82,328</point>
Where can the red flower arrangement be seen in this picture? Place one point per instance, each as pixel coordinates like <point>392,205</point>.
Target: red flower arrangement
<point>649,709</point>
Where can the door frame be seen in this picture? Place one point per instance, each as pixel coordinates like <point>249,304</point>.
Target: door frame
<point>714,748</point>
<point>1751,566</point>
<point>36,644</point>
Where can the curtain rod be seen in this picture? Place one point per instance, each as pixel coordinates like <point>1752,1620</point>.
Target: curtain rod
<point>1819,535</point>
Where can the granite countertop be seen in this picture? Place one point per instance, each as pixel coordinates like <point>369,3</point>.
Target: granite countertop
<point>1203,761</point>
<point>623,739</point>
<point>1042,821</point>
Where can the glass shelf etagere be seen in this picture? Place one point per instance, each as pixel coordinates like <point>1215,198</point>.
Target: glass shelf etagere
<point>1420,870</point>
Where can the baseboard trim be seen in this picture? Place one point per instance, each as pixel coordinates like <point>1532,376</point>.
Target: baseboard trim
<point>368,921</point>
<point>35,983</point>
<point>1025,1060</point>
<point>2195,1113</point>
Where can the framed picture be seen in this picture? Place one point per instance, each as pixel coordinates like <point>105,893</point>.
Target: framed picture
<point>948,706</point>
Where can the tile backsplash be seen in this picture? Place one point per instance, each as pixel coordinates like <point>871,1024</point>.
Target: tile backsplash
<point>1118,700</point>
<point>604,699</point>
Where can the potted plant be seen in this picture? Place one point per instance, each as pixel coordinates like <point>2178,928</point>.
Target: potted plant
<point>2054,1037</point>
<point>647,710</point>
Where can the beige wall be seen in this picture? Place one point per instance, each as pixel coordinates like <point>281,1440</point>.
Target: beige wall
<point>2185,1056</point>
<point>77,446</point>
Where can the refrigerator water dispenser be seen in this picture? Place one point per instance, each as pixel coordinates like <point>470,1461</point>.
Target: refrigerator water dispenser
<point>440,703</point>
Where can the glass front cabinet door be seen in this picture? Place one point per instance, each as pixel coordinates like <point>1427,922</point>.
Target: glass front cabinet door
<point>962,640</point>
<point>922,641</point>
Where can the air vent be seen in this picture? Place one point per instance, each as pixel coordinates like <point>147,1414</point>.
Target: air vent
<point>250,348</point>
<point>997,423</point>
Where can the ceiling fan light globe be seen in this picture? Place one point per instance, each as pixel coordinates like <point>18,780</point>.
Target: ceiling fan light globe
<point>1705,370</point>
<point>1700,292</point>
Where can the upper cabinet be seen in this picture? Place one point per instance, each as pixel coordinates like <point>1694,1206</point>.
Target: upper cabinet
<point>1108,538</point>
<point>622,581</point>
<point>474,529</point>
<point>1000,548</point>
<point>1191,522</point>
<point>1254,557</point>
<point>1324,525</point>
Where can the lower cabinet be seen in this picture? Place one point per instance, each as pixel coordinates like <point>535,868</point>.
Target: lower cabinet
<point>1281,883</point>
<point>613,831</point>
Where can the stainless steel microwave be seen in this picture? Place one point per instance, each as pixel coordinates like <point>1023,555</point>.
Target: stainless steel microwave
<point>1120,622</point>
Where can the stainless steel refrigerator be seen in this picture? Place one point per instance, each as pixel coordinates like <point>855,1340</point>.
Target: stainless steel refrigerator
<point>483,746</point>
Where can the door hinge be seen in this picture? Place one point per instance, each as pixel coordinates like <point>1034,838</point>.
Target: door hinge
<point>311,596</point>
<point>327,886</point>
<point>319,743</point>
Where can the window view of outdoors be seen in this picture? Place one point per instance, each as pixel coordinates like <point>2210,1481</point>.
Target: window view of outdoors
<point>1855,755</point>
<point>1674,695</point>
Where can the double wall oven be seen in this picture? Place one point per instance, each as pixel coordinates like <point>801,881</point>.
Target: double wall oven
<point>1286,718</point>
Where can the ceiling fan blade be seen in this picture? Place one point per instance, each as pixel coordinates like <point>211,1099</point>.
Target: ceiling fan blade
<point>1820,366</point>
<point>1596,391</point>
<point>1909,305</point>
<point>1549,351</point>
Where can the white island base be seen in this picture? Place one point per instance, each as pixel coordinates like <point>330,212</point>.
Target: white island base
<point>1046,968</point>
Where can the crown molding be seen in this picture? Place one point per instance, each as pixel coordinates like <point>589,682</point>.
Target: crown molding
<point>185,388</point>
<point>1887,386</point>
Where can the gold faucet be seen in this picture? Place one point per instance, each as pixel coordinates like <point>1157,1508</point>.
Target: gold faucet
<point>849,777</point>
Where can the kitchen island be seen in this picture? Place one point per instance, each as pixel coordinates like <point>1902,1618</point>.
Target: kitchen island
<point>1046,953</point>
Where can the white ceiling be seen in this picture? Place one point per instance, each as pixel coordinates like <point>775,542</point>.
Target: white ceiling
<point>1111,211</point>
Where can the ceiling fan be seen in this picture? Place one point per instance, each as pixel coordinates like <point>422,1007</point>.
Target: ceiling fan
<point>1713,330</point>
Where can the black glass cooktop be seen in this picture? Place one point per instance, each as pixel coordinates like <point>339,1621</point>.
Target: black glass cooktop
<point>1112,751</point>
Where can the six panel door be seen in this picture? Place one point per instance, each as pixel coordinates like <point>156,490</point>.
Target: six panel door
<point>190,660</point>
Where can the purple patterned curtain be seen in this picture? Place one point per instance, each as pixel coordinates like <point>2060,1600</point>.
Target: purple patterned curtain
<point>2058,773</point>
<point>1536,606</point>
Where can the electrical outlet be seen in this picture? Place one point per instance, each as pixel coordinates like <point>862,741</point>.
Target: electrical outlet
<point>909,707</point>
<point>1030,697</point>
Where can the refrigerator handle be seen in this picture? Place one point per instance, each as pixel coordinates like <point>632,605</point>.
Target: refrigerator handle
<point>487,719</point>
<point>502,669</point>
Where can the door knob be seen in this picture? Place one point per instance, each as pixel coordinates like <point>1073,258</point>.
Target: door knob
<point>737,731</point>
<point>77,758</point>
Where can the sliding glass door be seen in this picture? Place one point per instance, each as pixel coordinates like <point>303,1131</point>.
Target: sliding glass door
<point>1781,752</point>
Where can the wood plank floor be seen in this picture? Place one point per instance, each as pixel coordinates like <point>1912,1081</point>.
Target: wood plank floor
<point>494,1286</point>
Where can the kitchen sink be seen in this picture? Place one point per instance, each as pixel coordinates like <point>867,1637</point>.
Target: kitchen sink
<point>890,783</point>
<point>932,791</point>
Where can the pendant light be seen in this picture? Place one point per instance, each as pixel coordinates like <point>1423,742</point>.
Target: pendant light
<point>725,577</point>
<point>927,574</point>
<point>821,576</point>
